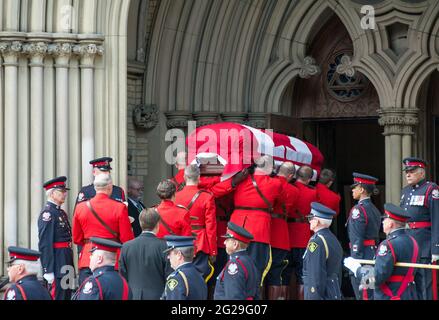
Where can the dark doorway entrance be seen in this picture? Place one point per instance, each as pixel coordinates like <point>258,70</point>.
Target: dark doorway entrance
<point>349,145</point>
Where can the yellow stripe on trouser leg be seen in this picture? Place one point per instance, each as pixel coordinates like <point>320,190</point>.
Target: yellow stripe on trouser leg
<point>212,270</point>
<point>285,264</point>
<point>267,268</point>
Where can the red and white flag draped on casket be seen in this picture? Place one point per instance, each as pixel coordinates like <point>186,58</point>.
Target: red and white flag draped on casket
<point>235,146</point>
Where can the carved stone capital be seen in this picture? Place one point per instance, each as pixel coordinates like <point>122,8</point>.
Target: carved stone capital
<point>11,51</point>
<point>238,117</point>
<point>145,117</point>
<point>178,119</point>
<point>346,66</point>
<point>36,51</point>
<point>257,120</point>
<point>205,118</point>
<point>88,53</point>
<point>61,52</point>
<point>399,121</point>
<point>309,68</point>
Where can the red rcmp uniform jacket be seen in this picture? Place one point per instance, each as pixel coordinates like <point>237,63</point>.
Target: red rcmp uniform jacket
<point>256,221</point>
<point>176,218</point>
<point>202,216</point>
<point>178,178</point>
<point>206,182</point>
<point>223,193</point>
<point>86,225</point>
<point>328,197</point>
<point>299,230</point>
<point>285,207</point>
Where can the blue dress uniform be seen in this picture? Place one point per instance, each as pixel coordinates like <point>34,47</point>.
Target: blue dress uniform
<point>186,282</point>
<point>239,278</point>
<point>363,224</point>
<point>421,202</point>
<point>105,283</point>
<point>395,283</point>
<point>322,260</point>
<point>88,192</point>
<point>55,242</point>
<point>28,287</point>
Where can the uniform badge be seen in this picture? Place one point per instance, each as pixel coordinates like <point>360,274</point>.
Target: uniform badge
<point>382,250</point>
<point>46,216</point>
<point>172,284</point>
<point>312,246</point>
<point>313,290</point>
<point>10,295</point>
<point>355,213</point>
<point>80,196</point>
<point>232,269</point>
<point>435,194</point>
<point>355,248</point>
<point>88,287</point>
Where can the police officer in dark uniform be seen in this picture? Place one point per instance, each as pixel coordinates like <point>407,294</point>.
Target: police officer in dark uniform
<point>363,224</point>
<point>239,278</point>
<point>23,268</point>
<point>105,283</point>
<point>391,282</point>
<point>186,282</point>
<point>420,199</point>
<point>323,257</point>
<point>100,165</point>
<point>55,240</point>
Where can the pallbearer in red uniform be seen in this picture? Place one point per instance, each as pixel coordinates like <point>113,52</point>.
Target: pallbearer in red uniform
<point>299,228</point>
<point>174,220</point>
<point>277,279</point>
<point>180,164</point>
<point>100,217</point>
<point>325,195</point>
<point>202,211</point>
<point>255,198</point>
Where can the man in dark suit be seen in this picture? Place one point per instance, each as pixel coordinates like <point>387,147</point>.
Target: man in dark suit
<point>135,205</point>
<point>143,261</point>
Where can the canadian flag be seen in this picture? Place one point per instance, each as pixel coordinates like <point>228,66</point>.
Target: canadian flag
<point>236,146</point>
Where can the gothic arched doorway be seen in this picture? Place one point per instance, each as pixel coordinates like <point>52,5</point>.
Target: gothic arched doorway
<point>338,113</point>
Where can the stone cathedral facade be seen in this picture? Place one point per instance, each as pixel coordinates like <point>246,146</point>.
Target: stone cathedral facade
<point>86,78</point>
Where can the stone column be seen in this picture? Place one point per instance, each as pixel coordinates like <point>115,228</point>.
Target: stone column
<point>61,52</point>
<point>37,51</point>
<point>2,225</point>
<point>87,52</point>
<point>398,131</point>
<point>10,51</point>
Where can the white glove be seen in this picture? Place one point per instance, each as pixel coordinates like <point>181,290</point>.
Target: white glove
<point>434,257</point>
<point>50,277</point>
<point>352,264</point>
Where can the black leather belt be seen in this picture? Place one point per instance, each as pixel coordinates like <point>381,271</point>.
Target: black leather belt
<point>254,209</point>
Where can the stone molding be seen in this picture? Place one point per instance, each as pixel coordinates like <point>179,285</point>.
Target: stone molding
<point>145,116</point>
<point>238,117</point>
<point>178,119</point>
<point>309,68</point>
<point>398,121</point>
<point>38,46</point>
<point>257,120</point>
<point>205,118</point>
<point>346,66</point>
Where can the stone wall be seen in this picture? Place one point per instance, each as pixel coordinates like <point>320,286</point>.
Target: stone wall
<point>137,142</point>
